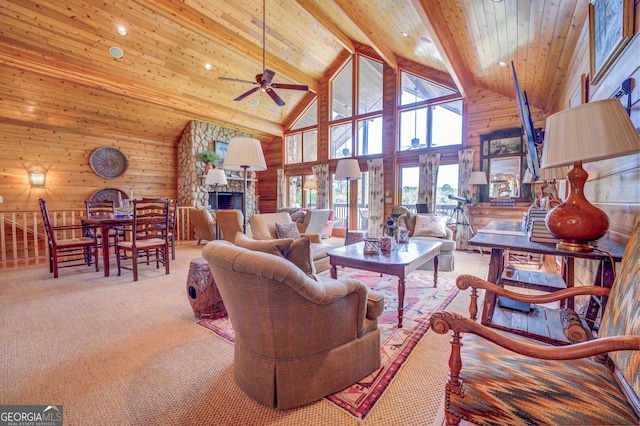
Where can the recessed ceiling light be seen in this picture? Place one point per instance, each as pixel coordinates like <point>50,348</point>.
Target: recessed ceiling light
<point>122,31</point>
<point>207,67</point>
<point>497,1</point>
<point>502,64</point>
<point>405,35</point>
<point>116,52</point>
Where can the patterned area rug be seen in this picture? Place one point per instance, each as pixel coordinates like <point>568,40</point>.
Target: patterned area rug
<point>420,301</point>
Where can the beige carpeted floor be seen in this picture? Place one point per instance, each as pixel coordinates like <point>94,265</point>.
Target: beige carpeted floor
<point>113,351</point>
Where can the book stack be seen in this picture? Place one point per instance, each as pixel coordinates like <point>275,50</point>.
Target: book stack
<point>537,228</point>
<point>532,214</point>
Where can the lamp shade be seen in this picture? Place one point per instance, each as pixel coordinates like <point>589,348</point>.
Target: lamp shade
<point>553,173</point>
<point>244,154</point>
<point>310,184</point>
<point>478,178</point>
<point>348,169</point>
<point>216,176</point>
<point>589,132</point>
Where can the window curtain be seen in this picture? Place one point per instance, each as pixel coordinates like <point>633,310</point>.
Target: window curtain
<point>465,165</point>
<point>376,197</point>
<point>321,173</point>
<point>281,190</point>
<point>428,179</point>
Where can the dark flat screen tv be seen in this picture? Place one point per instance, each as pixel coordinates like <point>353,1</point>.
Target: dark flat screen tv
<point>533,137</point>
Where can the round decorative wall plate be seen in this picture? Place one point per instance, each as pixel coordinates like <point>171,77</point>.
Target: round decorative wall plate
<point>108,162</point>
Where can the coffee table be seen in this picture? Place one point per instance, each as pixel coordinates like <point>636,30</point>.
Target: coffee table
<point>401,261</point>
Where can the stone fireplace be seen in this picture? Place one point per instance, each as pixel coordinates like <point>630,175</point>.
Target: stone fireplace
<point>192,191</point>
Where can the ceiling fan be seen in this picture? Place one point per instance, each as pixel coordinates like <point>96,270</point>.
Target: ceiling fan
<point>264,80</point>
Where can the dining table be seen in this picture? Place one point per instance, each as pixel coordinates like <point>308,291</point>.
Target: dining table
<point>105,223</point>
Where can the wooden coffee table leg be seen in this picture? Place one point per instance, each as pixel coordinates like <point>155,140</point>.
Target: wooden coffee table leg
<point>334,272</point>
<point>435,271</point>
<point>400,299</point>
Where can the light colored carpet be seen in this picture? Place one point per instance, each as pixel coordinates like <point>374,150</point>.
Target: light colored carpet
<point>114,351</point>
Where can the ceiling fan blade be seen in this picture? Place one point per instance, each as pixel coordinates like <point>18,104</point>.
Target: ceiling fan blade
<point>289,86</point>
<point>236,80</point>
<point>247,93</point>
<point>275,97</point>
<point>267,76</point>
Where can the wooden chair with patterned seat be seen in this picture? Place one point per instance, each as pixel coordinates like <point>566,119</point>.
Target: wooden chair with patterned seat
<point>80,248</point>
<point>148,236</point>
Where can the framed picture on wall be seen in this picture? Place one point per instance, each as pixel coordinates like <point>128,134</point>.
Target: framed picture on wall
<point>610,29</point>
<point>221,151</point>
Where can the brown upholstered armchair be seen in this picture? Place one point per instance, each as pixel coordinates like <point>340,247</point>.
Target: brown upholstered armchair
<point>297,339</point>
<point>203,223</point>
<point>498,379</point>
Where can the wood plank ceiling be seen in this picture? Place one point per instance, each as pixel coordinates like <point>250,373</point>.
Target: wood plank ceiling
<point>57,71</point>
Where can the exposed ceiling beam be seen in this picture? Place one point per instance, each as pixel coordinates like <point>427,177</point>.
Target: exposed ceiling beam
<point>367,30</point>
<point>207,26</point>
<point>36,62</point>
<point>313,10</point>
<point>443,40</point>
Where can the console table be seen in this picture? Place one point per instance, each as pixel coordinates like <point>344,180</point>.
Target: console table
<point>607,251</point>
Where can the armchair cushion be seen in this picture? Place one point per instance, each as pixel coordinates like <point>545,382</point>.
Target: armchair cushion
<point>287,230</point>
<point>296,251</point>
<point>430,226</point>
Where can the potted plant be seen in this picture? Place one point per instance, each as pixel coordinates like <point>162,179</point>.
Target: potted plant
<point>209,159</point>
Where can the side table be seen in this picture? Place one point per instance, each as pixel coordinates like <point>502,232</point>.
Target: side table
<point>202,291</point>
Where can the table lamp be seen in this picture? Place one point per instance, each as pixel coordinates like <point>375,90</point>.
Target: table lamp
<point>589,132</point>
<point>347,169</point>
<point>244,154</point>
<point>477,179</point>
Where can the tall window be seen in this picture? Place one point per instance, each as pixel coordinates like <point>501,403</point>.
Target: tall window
<point>359,134</point>
<point>358,190</point>
<point>301,144</point>
<point>430,114</point>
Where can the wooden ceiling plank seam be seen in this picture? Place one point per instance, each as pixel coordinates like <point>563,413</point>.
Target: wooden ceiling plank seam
<point>109,83</point>
<point>442,40</point>
<point>323,20</point>
<point>565,59</point>
<point>521,57</point>
<point>363,24</point>
<point>475,27</point>
<point>207,26</point>
<point>542,58</point>
<point>452,16</point>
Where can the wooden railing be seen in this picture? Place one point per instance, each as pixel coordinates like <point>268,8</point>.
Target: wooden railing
<point>23,237</point>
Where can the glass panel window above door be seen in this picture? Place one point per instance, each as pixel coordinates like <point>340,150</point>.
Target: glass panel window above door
<point>369,85</point>
<point>416,89</point>
<point>413,129</point>
<point>447,124</point>
<point>293,148</point>
<point>342,93</point>
<point>310,146</point>
<point>341,141</point>
<point>370,136</point>
<point>309,118</point>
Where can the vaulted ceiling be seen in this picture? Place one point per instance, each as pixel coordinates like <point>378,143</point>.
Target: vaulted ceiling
<point>57,70</point>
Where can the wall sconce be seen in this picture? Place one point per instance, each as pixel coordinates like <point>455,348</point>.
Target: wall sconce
<point>36,178</point>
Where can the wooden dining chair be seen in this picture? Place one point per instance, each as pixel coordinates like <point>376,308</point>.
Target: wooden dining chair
<point>173,219</point>
<point>80,248</point>
<point>102,208</point>
<point>147,237</point>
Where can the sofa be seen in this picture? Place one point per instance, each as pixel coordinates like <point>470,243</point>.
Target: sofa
<point>263,227</point>
<point>437,232</point>
<point>296,339</point>
<point>500,378</point>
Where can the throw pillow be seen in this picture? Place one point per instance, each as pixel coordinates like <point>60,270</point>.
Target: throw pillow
<point>298,216</point>
<point>287,230</point>
<point>208,217</point>
<point>275,247</point>
<point>430,226</point>
<point>300,254</point>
